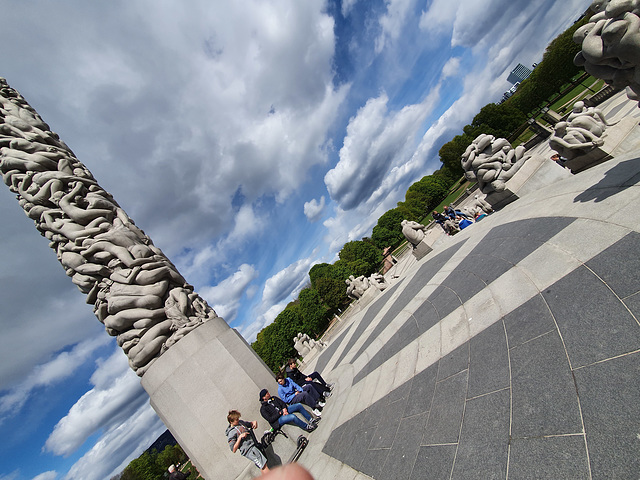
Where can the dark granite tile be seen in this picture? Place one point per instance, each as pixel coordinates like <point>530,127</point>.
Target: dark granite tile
<point>482,452</point>
<point>445,301</point>
<point>488,361</point>
<point>434,462</point>
<point>368,317</point>
<point>373,413</point>
<point>342,448</point>
<point>422,390</point>
<point>464,283</point>
<point>544,394</point>
<point>405,448</point>
<point>417,283</point>
<point>445,416</point>
<point>407,333</point>
<point>540,229</point>
<point>373,462</point>
<point>357,446</point>
<point>594,324</point>
<point>388,426</point>
<point>330,351</point>
<point>512,249</point>
<point>401,392</point>
<point>454,362</point>
<point>633,304</point>
<point>331,445</point>
<point>426,316</point>
<point>609,393</point>
<point>486,267</point>
<point>549,458</point>
<point>619,265</point>
<point>529,320</point>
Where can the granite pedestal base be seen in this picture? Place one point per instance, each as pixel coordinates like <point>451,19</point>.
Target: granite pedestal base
<point>421,250</point>
<point>535,173</point>
<point>193,386</point>
<point>624,131</point>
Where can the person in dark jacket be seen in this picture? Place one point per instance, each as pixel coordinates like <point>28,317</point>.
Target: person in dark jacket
<point>278,413</point>
<point>322,387</point>
<point>175,474</point>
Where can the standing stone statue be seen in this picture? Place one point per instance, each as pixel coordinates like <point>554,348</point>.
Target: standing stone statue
<point>356,286</point>
<point>611,44</point>
<point>136,291</point>
<point>492,162</point>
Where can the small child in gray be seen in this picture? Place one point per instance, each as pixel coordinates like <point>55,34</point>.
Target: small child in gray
<point>240,437</point>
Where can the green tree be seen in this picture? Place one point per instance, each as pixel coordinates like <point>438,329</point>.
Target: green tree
<point>388,231</point>
<point>144,467</point>
<point>314,313</point>
<point>498,119</point>
<point>171,455</point>
<point>451,152</point>
<point>333,292</point>
<point>364,256</point>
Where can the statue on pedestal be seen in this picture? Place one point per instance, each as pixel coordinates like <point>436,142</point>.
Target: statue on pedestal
<point>492,162</point>
<point>356,286</point>
<point>414,232</point>
<point>583,131</point>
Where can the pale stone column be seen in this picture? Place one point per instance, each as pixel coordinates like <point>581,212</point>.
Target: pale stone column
<point>194,367</point>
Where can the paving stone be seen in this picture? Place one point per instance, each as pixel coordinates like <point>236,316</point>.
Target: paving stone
<point>488,361</point>
<point>454,362</point>
<point>405,448</point>
<point>482,451</point>
<point>464,283</point>
<point>388,425</point>
<point>528,321</point>
<point>544,395</point>
<point>444,300</point>
<point>633,304</point>
<point>594,325</point>
<point>445,416</point>
<point>331,445</point>
<point>330,351</point>
<point>422,390</point>
<point>609,393</point>
<point>400,392</point>
<point>356,447</point>
<point>373,413</point>
<point>434,462</point>
<point>426,316</point>
<point>373,462</point>
<point>486,267</point>
<point>619,265</point>
<point>549,458</point>
<point>368,317</point>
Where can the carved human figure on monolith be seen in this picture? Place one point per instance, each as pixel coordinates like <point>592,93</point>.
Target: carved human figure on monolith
<point>136,291</point>
<point>492,162</point>
<point>611,44</point>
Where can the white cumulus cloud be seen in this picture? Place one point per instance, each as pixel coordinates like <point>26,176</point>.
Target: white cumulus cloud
<point>314,209</point>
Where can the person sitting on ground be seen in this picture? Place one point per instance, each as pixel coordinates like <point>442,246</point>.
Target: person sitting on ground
<point>241,437</point>
<point>175,474</point>
<point>277,413</point>
<point>291,392</point>
<point>440,219</point>
<point>322,387</point>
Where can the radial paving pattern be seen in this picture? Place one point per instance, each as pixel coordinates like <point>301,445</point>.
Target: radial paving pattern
<point>511,351</point>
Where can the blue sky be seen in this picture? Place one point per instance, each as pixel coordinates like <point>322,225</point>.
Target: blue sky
<point>250,140</point>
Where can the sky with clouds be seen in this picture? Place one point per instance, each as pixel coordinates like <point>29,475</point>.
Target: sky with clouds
<point>250,140</point>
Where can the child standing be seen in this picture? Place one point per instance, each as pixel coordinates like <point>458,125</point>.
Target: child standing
<point>240,437</point>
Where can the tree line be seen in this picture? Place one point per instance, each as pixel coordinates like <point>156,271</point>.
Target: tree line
<point>326,295</point>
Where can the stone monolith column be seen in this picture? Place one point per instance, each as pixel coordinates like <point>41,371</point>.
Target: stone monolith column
<point>193,365</point>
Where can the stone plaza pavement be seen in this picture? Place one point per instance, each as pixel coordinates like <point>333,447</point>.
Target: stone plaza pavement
<point>510,351</point>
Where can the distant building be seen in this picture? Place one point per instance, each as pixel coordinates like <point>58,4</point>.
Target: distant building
<point>518,74</point>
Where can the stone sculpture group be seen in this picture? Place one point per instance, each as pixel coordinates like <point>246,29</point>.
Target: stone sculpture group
<point>356,286</point>
<point>583,131</point>
<point>492,162</point>
<point>304,344</point>
<point>611,44</point>
<point>136,291</point>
